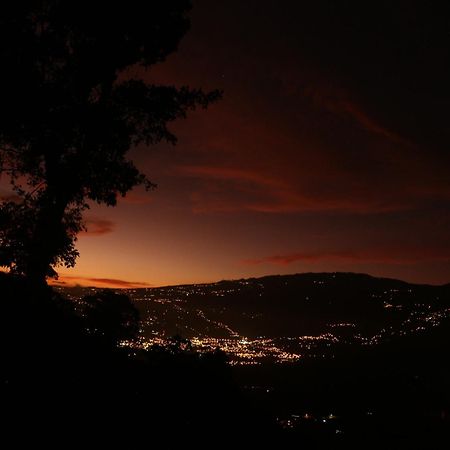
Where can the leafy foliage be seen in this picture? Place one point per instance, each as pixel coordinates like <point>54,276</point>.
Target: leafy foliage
<point>110,316</point>
<point>56,371</point>
<point>70,115</point>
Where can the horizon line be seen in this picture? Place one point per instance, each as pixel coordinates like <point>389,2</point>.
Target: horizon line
<point>110,283</point>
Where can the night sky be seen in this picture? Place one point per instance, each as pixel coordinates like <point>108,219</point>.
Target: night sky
<point>328,152</point>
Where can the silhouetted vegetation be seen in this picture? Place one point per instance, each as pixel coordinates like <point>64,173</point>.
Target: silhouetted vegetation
<point>71,112</point>
<point>61,364</point>
<point>110,316</point>
<point>56,371</point>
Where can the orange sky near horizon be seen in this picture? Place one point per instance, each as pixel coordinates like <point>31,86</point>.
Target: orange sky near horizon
<point>313,161</point>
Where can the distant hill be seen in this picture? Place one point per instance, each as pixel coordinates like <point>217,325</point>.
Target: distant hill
<point>344,304</point>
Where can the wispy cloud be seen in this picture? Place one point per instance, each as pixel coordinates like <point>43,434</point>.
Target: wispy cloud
<point>9,198</point>
<point>70,280</point>
<point>230,189</point>
<point>137,198</point>
<point>338,101</point>
<point>98,227</point>
<point>391,255</point>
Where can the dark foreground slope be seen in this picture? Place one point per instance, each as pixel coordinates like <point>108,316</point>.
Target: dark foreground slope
<point>392,395</point>
<point>392,390</point>
<point>58,378</point>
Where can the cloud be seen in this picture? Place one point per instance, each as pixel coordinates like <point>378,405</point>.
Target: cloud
<point>98,227</point>
<point>294,137</point>
<point>99,282</point>
<point>369,123</point>
<point>137,198</point>
<point>327,128</point>
<point>331,97</point>
<point>389,255</point>
<point>231,189</point>
<point>10,198</point>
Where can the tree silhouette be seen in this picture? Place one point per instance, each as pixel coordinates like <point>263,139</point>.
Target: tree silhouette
<point>111,317</point>
<point>70,114</point>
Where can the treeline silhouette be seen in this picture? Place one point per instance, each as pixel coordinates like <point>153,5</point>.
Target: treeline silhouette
<point>63,370</point>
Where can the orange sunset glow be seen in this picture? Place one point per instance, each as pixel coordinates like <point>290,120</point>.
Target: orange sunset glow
<point>311,161</point>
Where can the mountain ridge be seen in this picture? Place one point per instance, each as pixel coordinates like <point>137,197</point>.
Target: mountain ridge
<point>298,274</point>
